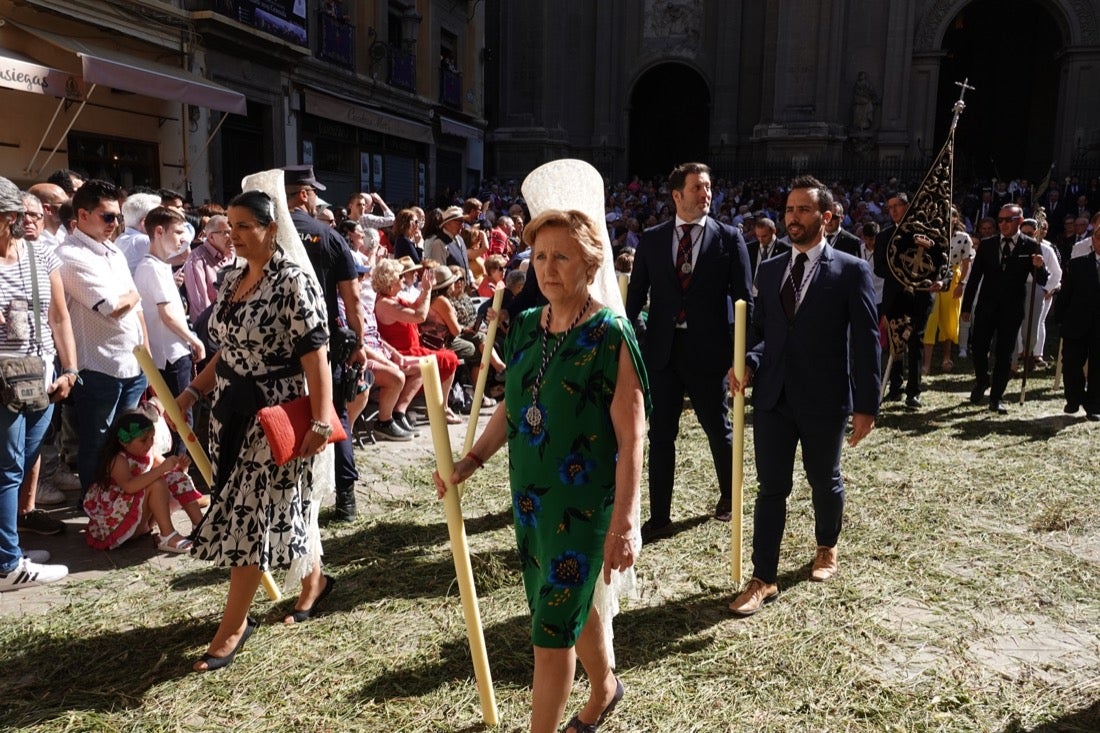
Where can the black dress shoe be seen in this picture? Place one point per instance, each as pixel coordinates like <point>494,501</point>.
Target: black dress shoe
<point>977,396</point>
<point>652,533</point>
<point>1071,408</point>
<point>912,402</point>
<point>998,407</point>
<point>1092,417</point>
<point>893,395</point>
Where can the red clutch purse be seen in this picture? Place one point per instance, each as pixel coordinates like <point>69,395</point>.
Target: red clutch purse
<point>286,426</point>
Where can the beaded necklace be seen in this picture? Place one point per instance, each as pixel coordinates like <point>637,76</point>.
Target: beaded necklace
<point>533,416</point>
<point>234,301</point>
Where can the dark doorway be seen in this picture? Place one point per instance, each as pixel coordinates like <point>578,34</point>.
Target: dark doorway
<point>669,120</point>
<point>246,148</point>
<point>1009,50</point>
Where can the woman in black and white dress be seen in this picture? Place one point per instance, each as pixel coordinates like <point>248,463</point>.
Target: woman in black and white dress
<point>270,324</point>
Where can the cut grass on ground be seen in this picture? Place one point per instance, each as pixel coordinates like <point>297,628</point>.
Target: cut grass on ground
<point>968,601</point>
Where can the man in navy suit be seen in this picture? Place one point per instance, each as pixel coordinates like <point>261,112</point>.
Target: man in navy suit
<point>1077,311</point>
<point>689,269</point>
<point>1000,267</point>
<point>814,307</point>
<point>765,246</point>
<point>839,237</point>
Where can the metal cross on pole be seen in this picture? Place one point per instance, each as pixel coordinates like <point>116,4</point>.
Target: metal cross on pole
<point>960,105</point>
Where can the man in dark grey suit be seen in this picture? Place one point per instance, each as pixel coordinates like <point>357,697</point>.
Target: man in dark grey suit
<point>689,269</point>
<point>813,361</point>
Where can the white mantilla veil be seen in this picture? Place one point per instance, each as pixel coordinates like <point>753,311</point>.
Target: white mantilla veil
<point>570,184</point>
<point>324,468</point>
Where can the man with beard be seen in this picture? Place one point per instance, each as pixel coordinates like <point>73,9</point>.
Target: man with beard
<point>815,307</point>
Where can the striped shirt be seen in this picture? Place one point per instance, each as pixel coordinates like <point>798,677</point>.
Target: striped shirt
<point>16,299</point>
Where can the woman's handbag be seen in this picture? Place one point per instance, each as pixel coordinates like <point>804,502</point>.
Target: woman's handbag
<point>287,424</point>
<point>23,378</point>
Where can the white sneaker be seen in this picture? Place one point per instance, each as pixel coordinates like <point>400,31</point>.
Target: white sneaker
<point>37,556</point>
<point>48,495</point>
<point>27,574</point>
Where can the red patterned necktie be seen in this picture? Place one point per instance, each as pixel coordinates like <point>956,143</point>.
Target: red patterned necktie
<point>683,266</point>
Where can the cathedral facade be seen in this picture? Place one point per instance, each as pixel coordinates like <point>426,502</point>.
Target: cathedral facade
<point>852,87</point>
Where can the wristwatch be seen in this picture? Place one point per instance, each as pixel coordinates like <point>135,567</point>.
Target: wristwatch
<point>321,428</point>
<point>76,376</point>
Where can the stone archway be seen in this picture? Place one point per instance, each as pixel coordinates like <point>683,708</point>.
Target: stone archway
<point>664,133</point>
<point>1077,22</point>
<point>1008,129</point>
<point>1023,116</point>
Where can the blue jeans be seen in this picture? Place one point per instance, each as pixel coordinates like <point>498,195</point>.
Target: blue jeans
<point>22,439</point>
<point>177,375</point>
<point>95,404</point>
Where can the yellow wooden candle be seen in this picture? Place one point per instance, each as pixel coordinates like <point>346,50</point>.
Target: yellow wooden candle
<point>740,311</point>
<point>460,551</point>
<point>483,375</point>
<point>189,439</point>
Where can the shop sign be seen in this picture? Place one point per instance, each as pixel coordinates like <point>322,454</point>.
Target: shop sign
<point>37,79</point>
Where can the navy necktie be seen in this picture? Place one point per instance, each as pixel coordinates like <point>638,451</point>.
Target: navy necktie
<point>788,294</point>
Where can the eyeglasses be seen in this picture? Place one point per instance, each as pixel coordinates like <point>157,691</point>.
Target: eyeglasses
<point>32,216</point>
<point>108,218</point>
<point>1007,219</point>
<point>223,233</point>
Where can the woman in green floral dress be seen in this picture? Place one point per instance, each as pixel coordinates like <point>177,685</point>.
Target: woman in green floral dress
<point>573,419</point>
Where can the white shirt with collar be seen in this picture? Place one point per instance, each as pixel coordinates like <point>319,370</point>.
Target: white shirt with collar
<point>699,228</point>
<point>813,255</point>
<point>51,241</point>
<point>96,277</point>
<point>134,244</point>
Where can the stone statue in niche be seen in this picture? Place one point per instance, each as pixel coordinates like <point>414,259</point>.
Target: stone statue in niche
<point>672,25</point>
<point>864,101</point>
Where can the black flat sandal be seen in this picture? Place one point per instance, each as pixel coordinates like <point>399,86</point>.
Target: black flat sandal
<point>579,726</point>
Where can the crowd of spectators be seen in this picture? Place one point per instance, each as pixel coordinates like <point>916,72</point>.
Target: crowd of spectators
<point>425,278</point>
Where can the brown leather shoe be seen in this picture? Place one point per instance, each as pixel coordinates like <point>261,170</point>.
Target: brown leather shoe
<point>753,598</point>
<point>825,566</point>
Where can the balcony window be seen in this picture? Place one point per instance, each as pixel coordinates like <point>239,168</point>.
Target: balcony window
<point>450,87</point>
<point>402,68</point>
<point>337,38</point>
